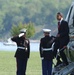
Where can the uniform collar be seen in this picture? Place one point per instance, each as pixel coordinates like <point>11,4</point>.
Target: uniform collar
<point>47,36</point>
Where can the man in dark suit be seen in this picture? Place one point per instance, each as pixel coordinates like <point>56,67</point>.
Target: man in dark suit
<point>22,53</point>
<point>62,38</point>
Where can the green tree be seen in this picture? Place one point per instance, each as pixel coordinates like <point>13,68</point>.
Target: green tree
<point>15,30</point>
<point>30,29</point>
<point>39,12</point>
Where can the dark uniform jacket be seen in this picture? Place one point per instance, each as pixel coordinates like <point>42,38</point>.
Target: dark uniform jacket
<point>64,33</point>
<point>22,42</point>
<point>45,43</point>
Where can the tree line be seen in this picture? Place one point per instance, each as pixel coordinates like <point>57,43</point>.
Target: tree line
<point>39,12</point>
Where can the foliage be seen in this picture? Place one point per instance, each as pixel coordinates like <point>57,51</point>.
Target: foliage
<point>39,12</point>
<point>15,30</point>
<point>30,30</point>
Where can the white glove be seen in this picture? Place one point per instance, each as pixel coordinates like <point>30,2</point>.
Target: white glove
<point>42,58</point>
<point>21,34</point>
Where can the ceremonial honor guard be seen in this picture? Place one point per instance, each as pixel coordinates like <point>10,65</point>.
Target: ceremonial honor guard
<point>23,52</point>
<point>46,52</point>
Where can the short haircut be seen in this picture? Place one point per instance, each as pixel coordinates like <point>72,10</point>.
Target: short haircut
<point>59,13</point>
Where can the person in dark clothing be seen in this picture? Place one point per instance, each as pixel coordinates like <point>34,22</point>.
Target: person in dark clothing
<point>62,39</point>
<point>46,52</point>
<point>23,52</point>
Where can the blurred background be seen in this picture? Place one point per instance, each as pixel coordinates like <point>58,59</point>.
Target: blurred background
<point>42,13</point>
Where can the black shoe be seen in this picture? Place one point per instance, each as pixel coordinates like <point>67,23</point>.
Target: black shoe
<point>65,64</point>
<point>62,65</point>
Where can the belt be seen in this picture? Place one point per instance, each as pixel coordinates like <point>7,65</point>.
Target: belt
<point>21,47</point>
<point>46,49</point>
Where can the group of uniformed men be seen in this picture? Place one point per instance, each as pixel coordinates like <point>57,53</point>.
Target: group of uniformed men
<point>48,48</point>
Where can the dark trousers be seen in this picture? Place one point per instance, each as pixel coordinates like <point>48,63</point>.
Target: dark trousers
<point>21,66</point>
<point>59,46</point>
<point>62,54</point>
<point>56,47</point>
<point>46,67</point>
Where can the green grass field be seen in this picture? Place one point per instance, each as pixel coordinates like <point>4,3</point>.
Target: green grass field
<point>8,63</point>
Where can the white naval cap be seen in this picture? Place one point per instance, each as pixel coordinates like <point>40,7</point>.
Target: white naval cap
<point>22,31</point>
<point>46,30</point>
